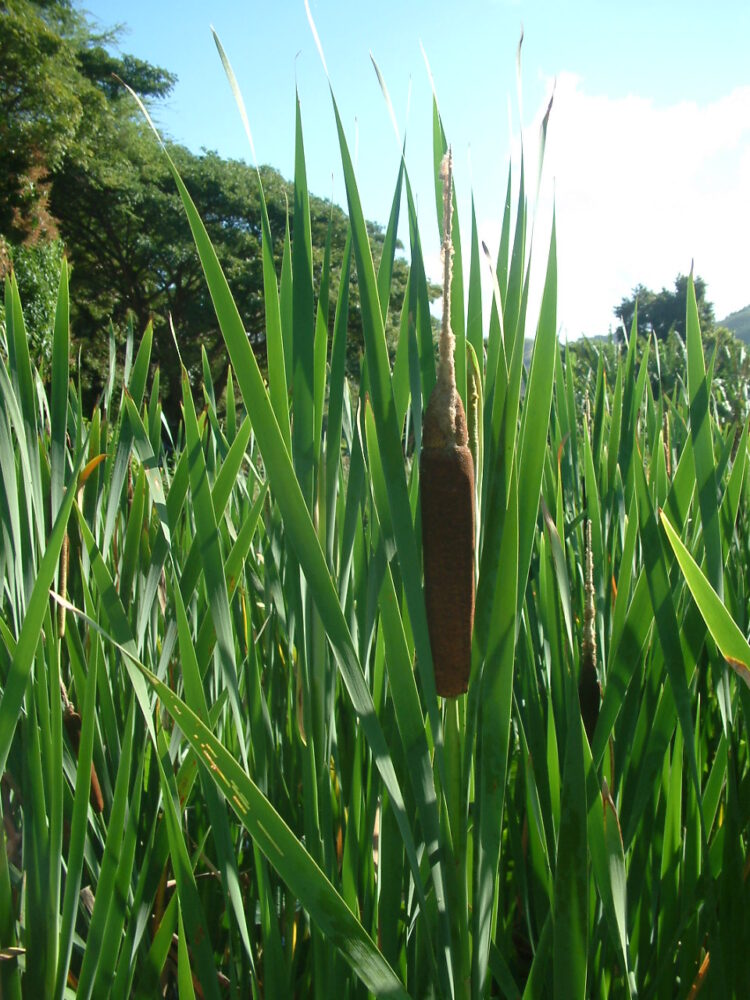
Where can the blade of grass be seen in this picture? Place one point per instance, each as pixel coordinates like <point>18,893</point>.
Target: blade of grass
<point>389,442</point>
<point>303,389</point>
<point>535,420</point>
<point>666,619</point>
<point>15,685</point>
<point>212,559</point>
<point>195,697</point>
<point>273,836</point>
<point>59,407</point>
<point>297,522</point>
<point>724,631</point>
<point>493,740</point>
<point>570,935</point>
<point>78,827</point>
<point>108,872</point>
<point>277,365</point>
<point>187,890</point>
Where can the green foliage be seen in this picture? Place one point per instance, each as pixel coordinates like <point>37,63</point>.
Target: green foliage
<point>56,91</point>
<point>667,367</point>
<point>75,158</point>
<point>739,323</point>
<point>661,339</point>
<point>132,251</point>
<point>660,312</point>
<point>37,268</point>
<point>40,107</point>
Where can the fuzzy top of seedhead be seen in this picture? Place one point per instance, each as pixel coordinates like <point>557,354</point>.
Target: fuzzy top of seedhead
<point>448,427</point>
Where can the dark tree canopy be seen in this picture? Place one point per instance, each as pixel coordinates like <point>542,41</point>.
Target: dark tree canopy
<point>76,158</point>
<point>660,312</point>
<point>56,89</point>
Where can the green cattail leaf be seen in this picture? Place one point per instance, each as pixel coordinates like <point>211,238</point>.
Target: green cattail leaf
<point>732,494</point>
<point>297,522</point>
<point>608,863</point>
<point>493,740</point>
<point>724,631</point>
<point>132,539</point>
<point>474,330</point>
<point>59,403</point>
<point>231,416</point>
<point>29,636</point>
<point>212,559</point>
<point>389,441</point>
<point>671,853</point>
<point>665,617</point>
<point>222,836</point>
<point>119,910</point>
<point>78,827</point>
<point>184,974</point>
<point>21,400</point>
<point>570,948</point>
<point>198,927</point>
<point>419,303</point>
<point>403,690</point>
<point>388,252</point>
<point>336,390</point>
<point>700,436</point>
<point>535,420</point>
<point>221,491</point>
<point>286,307</point>
<point>116,616</point>
<point>280,846</point>
<point>108,873</point>
<point>303,388</point>
<point>278,365</point>
<point>139,374</point>
<point>321,349</point>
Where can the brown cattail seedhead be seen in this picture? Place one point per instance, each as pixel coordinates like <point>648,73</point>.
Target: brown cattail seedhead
<point>447,498</point>
<point>72,721</point>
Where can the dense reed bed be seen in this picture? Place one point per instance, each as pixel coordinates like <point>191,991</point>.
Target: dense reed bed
<point>226,768</point>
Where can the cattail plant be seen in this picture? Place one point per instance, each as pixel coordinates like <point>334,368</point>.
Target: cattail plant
<point>667,446</point>
<point>73,723</point>
<point>589,693</point>
<point>447,498</point>
<point>237,627</point>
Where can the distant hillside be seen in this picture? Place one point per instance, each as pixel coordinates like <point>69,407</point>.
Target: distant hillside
<point>739,323</point>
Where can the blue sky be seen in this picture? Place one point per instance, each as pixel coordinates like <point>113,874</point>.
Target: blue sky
<point>648,155</point>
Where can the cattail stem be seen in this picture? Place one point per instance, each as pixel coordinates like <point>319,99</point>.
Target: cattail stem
<point>589,692</point>
<point>447,372</point>
<point>73,724</point>
<point>64,560</point>
<point>72,721</point>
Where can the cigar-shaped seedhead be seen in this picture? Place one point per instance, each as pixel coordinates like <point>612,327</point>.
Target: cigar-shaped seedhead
<point>447,497</point>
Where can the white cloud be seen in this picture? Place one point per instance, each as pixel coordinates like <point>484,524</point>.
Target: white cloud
<point>640,191</point>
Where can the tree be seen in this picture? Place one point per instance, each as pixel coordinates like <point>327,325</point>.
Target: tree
<point>40,109</point>
<point>89,165</point>
<point>56,86</point>
<point>38,268</point>
<point>663,316</point>
<point>132,249</point>
<point>660,312</point>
